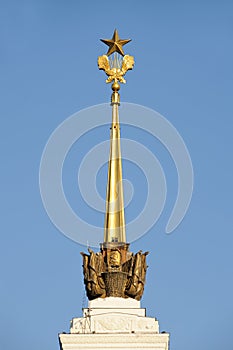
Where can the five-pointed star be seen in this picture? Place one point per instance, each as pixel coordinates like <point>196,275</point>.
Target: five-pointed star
<point>115,44</point>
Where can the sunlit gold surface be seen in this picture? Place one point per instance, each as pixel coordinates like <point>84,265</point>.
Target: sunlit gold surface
<point>115,74</point>
<point>115,68</point>
<point>114,228</point>
<point>115,44</point>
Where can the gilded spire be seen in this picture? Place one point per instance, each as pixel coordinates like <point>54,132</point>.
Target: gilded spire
<point>114,271</point>
<point>114,228</point>
<point>115,68</point>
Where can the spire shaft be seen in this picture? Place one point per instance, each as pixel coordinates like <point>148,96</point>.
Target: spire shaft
<point>114,228</point>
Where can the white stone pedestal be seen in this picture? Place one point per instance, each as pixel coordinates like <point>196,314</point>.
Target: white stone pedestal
<point>114,323</point>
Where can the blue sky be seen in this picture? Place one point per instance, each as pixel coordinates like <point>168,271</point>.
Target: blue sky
<point>183,52</point>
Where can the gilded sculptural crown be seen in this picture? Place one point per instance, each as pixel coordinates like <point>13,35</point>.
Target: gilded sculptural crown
<point>106,275</point>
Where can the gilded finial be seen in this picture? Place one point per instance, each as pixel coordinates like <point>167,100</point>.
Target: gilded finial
<point>115,67</point>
